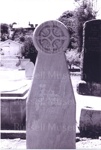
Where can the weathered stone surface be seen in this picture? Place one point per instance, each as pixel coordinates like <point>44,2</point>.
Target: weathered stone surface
<point>90,122</point>
<point>93,89</point>
<point>51,37</point>
<point>29,68</point>
<point>91,59</point>
<point>12,114</point>
<point>51,108</point>
<point>24,63</point>
<point>91,70</point>
<point>13,106</point>
<point>12,86</point>
<point>9,62</point>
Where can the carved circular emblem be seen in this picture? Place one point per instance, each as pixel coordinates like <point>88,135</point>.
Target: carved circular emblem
<point>51,37</point>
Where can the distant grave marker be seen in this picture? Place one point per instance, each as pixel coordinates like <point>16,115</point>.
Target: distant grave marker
<point>24,62</point>
<point>51,108</point>
<point>9,62</point>
<point>91,64</point>
<point>29,68</point>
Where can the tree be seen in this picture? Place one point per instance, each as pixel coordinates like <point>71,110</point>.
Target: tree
<point>84,12</point>
<point>18,33</point>
<point>73,58</point>
<point>74,21</point>
<point>70,21</point>
<point>12,24</point>
<point>4,31</point>
<point>28,50</point>
<point>31,25</point>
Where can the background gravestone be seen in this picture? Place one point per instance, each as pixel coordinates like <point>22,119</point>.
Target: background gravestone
<point>51,108</point>
<point>90,122</point>
<point>92,52</point>
<point>24,63</point>
<point>91,64</point>
<point>29,70</point>
<point>9,62</point>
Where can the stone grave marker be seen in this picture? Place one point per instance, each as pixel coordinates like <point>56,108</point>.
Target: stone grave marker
<point>90,122</point>
<point>9,62</point>
<point>91,62</point>
<point>13,103</point>
<point>51,107</point>
<point>24,63</point>
<point>29,68</point>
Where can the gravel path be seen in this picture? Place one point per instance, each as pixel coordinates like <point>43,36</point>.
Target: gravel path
<point>89,144</point>
<point>21,144</point>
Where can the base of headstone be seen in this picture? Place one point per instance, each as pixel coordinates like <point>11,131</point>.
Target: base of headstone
<point>91,89</point>
<point>90,122</point>
<point>13,109</point>
<point>13,134</point>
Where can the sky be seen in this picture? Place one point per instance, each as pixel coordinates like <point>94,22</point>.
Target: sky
<point>35,11</point>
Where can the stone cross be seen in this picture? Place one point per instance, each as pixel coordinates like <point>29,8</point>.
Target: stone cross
<point>91,62</point>
<point>51,107</point>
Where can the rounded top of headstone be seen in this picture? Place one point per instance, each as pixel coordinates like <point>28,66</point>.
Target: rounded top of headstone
<point>51,37</point>
<point>94,21</point>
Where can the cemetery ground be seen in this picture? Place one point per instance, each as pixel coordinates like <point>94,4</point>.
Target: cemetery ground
<point>81,102</point>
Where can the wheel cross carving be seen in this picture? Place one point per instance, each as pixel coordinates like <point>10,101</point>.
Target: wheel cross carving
<point>51,37</point>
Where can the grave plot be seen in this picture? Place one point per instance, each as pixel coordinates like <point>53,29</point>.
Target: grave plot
<point>14,91</point>
<point>9,62</point>
<point>51,108</point>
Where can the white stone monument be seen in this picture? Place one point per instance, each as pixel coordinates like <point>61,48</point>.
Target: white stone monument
<point>29,68</point>
<point>51,107</point>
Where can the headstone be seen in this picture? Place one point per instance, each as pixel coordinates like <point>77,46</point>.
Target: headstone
<point>92,52</point>
<point>91,62</point>
<point>90,122</point>
<point>13,103</point>
<point>29,68</point>
<point>51,108</point>
<point>9,62</point>
<point>14,89</point>
<point>24,63</point>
